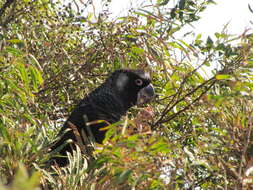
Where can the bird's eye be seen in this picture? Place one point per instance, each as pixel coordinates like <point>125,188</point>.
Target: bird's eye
<point>138,82</point>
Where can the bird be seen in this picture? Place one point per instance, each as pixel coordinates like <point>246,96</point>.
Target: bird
<point>123,89</point>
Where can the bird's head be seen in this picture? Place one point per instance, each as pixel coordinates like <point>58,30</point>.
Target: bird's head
<point>133,86</point>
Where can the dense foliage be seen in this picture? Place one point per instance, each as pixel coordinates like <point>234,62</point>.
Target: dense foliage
<point>196,134</point>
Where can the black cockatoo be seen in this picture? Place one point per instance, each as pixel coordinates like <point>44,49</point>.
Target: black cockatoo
<point>122,90</point>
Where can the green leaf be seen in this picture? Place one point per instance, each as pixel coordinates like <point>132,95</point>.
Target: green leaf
<point>123,176</point>
<point>14,89</point>
<point>160,147</point>
<point>181,4</point>
<point>251,10</point>
<point>15,41</point>
<point>137,50</point>
<point>35,62</point>
<point>198,37</point>
<point>22,180</point>
<point>209,42</point>
<point>222,77</point>
<point>13,51</point>
<point>164,2</point>
<point>36,77</point>
<point>175,45</point>
<point>23,74</point>
<point>111,130</point>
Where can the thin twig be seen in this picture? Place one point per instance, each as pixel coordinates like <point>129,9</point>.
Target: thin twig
<point>160,120</point>
<point>179,92</point>
<point>186,107</point>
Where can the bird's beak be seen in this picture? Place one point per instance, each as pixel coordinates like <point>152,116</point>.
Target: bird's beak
<point>145,94</point>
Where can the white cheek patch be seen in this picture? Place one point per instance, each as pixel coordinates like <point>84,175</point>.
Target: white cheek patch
<point>121,81</point>
<point>145,75</point>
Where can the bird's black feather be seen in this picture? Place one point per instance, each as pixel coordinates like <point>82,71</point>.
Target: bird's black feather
<point>108,102</point>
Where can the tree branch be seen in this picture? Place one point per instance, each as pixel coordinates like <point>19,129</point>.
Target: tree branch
<point>160,120</point>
